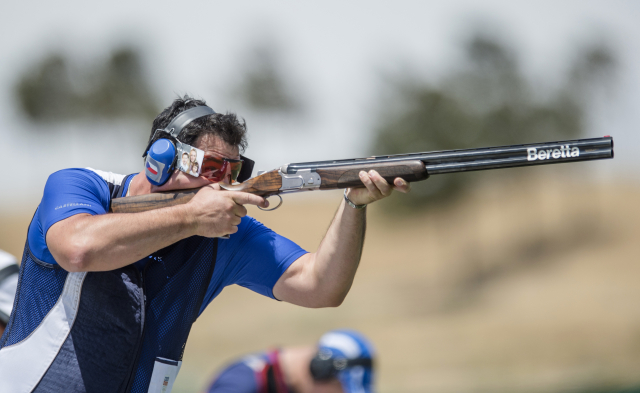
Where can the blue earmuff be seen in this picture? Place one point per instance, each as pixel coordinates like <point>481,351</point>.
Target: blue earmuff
<point>161,156</point>
<point>159,163</point>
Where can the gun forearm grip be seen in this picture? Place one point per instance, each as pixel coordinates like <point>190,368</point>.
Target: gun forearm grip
<point>348,175</point>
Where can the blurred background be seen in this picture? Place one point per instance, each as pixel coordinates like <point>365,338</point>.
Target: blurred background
<point>517,280</point>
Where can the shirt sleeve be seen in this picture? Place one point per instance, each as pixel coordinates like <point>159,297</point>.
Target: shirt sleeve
<point>254,257</point>
<point>67,192</point>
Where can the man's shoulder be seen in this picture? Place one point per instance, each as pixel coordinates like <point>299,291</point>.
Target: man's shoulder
<point>109,177</point>
<point>79,182</point>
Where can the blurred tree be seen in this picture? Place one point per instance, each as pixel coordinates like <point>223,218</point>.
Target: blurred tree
<point>124,90</point>
<point>52,91</point>
<point>45,92</point>
<point>592,73</point>
<point>263,87</point>
<point>488,102</point>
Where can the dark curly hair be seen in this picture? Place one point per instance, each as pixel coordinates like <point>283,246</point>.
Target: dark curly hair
<point>228,127</point>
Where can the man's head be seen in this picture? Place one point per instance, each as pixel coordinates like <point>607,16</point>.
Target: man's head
<point>225,133</point>
<point>228,128</point>
<point>347,356</point>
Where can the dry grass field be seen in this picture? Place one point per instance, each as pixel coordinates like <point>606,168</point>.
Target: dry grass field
<point>518,287</point>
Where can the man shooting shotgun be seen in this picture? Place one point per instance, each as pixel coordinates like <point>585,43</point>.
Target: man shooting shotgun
<point>105,302</point>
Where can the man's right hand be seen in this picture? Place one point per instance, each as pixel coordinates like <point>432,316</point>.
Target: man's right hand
<point>215,212</point>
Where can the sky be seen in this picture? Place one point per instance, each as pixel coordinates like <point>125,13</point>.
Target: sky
<point>333,53</point>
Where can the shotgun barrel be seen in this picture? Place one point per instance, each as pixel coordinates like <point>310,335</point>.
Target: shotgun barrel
<point>464,160</point>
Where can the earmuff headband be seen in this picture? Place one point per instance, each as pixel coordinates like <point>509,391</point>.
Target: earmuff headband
<point>186,117</point>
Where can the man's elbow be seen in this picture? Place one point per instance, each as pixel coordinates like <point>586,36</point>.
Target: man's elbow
<point>74,257</point>
<point>313,298</point>
<point>75,261</point>
<point>331,300</point>
<point>71,243</point>
<point>336,302</point>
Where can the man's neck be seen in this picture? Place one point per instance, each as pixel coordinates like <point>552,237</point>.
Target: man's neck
<point>139,185</point>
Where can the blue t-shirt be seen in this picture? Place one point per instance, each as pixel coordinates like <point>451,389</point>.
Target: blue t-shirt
<point>254,257</point>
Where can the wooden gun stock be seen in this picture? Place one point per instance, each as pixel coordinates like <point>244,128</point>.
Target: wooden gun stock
<point>264,185</point>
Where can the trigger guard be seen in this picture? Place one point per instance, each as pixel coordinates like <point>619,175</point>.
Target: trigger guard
<point>268,210</point>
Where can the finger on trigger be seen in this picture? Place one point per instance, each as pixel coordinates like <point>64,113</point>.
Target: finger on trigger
<point>244,198</point>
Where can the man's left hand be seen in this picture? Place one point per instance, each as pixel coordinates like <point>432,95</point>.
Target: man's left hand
<point>375,188</point>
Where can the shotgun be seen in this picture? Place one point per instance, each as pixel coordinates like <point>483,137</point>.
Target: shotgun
<point>412,167</point>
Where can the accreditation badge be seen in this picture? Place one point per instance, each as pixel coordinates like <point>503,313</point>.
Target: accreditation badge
<point>164,375</point>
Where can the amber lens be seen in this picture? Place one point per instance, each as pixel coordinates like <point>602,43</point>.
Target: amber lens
<point>214,167</point>
<point>235,165</point>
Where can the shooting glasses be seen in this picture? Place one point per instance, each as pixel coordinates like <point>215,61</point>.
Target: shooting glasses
<point>215,167</point>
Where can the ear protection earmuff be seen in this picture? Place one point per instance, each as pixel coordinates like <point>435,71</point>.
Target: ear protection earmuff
<point>161,156</point>
<point>326,365</point>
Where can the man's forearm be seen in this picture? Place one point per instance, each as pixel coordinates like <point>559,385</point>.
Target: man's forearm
<point>338,255</point>
<point>110,241</point>
<point>323,278</point>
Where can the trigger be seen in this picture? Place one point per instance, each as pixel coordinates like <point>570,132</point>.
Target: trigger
<point>274,208</point>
